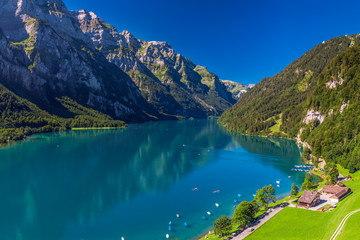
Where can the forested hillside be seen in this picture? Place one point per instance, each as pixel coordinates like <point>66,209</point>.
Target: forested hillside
<point>305,99</point>
<point>337,98</point>
<point>20,118</point>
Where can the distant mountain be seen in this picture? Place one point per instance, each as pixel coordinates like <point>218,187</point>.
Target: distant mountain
<point>236,89</point>
<point>315,99</point>
<point>48,52</point>
<point>167,80</point>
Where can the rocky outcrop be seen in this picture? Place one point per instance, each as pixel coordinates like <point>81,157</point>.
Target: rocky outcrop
<point>312,115</point>
<point>344,106</point>
<point>334,83</point>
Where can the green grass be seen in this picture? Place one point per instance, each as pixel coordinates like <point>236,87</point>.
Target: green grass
<point>234,228</point>
<point>276,127</point>
<point>345,172</point>
<point>306,224</point>
<point>348,231</point>
<point>304,83</point>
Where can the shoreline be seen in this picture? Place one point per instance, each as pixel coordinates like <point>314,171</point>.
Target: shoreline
<point>279,200</point>
<point>96,128</point>
<point>2,145</point>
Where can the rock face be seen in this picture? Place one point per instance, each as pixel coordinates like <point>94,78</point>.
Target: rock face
<point>236,89</point>
<point>45,55</point>
<point>47,51</point>
<point>168,80</point>
<point>312,115</point>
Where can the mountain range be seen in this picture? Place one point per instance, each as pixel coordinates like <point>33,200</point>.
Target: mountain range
<point>53,59</point>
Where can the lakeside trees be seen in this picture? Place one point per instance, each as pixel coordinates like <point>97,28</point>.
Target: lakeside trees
<point>21,118</point>
<point>332,173</point>
<point>308,182</point>
<point>245,213</point>
<point>294,190</point>
<point>265,196</point>
<point>222,226</point>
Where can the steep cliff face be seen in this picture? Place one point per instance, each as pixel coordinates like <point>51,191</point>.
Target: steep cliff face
<point>168,80</point>
<point>45,55</point>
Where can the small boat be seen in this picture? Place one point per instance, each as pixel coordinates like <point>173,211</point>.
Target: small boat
<point>208,213</point>
<point>278,185</point>
<point>278,182</point>
<point>203,217</point>
<point>170,228</point>
<point>167,236</point>
<point>239,195</point>
<point>216,191</point>
<point>235,200</point>
<point>177,215</point>
<point>254,195</point>
<point>217,205</point>
<point>122,238</point>
<point>289,176</point>
<point>195,189</point>
<point>186,224</point>
<point>170,223</point>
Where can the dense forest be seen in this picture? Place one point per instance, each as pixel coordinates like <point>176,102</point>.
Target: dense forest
<point>337,138</point>
<point>278,105</point>
<point>20,118</point>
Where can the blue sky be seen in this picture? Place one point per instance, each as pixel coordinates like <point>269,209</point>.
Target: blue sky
<point>243,41</point>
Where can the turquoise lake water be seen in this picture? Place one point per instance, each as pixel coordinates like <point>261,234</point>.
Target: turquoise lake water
<point>108,184</point>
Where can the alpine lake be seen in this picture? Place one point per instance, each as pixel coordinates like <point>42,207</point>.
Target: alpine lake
<point>130,183</point>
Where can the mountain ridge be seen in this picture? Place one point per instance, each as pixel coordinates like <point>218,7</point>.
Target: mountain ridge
<point>49,53</point>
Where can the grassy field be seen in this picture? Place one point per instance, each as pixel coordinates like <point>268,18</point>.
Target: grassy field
<point>349,230</point>
<point>212,236</point>
<point>306,224</point>
<point>276,127</point>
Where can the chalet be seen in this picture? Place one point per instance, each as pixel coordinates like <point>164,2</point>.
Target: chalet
<point>347,177</point>
<point>337,193</point>
<point>309,199</point>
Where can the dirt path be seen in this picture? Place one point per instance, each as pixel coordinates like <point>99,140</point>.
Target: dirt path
<point>342,223</point>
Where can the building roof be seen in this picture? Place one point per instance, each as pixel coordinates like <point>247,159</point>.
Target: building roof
<point>338,191</point>
<point>308,197</point>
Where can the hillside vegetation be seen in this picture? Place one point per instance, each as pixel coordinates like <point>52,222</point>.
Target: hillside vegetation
<point>20,118</point>
<point>316,99</point>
